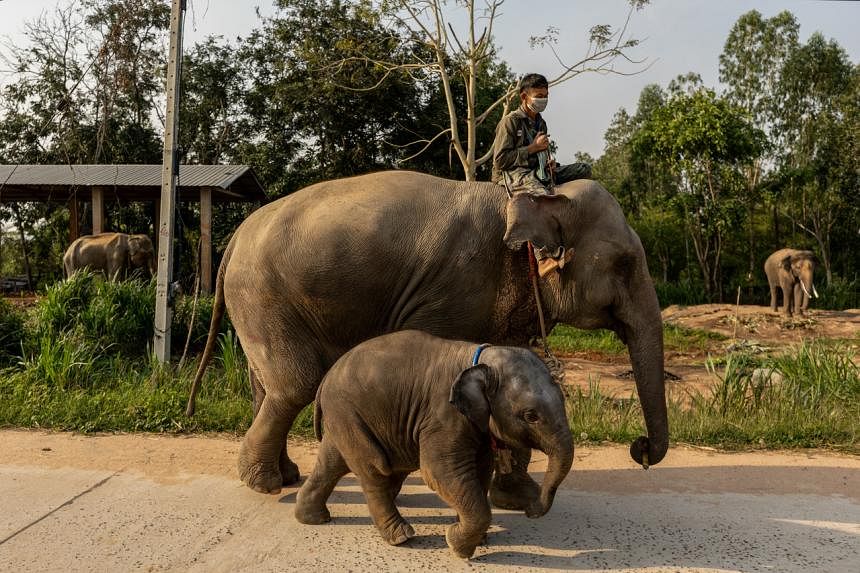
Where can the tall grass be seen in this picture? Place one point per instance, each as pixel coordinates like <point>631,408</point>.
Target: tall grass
<point>88,309</point>
<point>808,396</point>
<point>11,332</point>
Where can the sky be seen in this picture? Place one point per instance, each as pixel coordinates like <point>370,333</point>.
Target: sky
<point>678,36</point>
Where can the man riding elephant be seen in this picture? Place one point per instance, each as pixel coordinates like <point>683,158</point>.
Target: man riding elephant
<point>521,154</point>
<point>310,276</point>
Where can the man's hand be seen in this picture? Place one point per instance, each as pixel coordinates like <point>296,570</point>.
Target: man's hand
<point>540,143</point>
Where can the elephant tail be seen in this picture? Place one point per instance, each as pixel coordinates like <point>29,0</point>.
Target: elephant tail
<point>318,414</point>
<point>214,326</point>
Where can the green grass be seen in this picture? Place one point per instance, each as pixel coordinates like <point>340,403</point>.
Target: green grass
<point>816,404</point>
<point>76,361</point>
<point>565,338</point>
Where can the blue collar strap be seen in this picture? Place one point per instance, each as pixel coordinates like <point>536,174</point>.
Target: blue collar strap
<point>477,355</point>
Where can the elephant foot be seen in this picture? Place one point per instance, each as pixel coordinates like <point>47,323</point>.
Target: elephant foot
<point>309,515</point>
<point>515,491</point>
<point>462,546</point>
<point>289,470</point>
<point>262,477</point>
<point>399,533</point>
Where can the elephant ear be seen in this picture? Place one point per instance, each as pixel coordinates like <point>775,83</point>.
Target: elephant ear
<point>469,394</point>
<point>786,263</point>
<point>534,218</point>
<point>134,246</point>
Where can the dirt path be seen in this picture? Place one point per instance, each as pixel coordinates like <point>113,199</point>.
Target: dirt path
<point>753,327</point>
<point>161,503</point>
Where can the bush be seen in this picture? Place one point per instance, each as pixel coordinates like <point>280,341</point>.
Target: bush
<point>841,294</point>
<point>114,316</point>
<point>11,332</point>
<point>683,293</point>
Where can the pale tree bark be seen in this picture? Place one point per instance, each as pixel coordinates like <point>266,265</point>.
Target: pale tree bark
<point>425,24</point>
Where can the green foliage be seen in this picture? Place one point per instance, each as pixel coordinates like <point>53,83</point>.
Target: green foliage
<point>565,338</point>
<point>839,295</point>
<point>813,400</point>
<point>11,332</point>
<point>89,310</point>
<point>569,339</point>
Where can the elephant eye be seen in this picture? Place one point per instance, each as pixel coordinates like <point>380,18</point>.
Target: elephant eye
<point>530,416</point>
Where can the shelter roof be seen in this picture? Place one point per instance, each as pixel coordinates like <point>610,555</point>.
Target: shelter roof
<point>126,182</point>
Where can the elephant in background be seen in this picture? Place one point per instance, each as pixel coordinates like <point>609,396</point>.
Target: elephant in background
<point>115,254</point>
<point>310,276</point>
<point>791,271</point>
<point>409,400</point>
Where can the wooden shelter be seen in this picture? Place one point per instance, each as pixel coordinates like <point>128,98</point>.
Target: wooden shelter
<point>73,184</point>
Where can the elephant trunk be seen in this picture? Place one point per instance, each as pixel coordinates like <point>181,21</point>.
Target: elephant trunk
<point>559,451</point>
<point>642,331</point>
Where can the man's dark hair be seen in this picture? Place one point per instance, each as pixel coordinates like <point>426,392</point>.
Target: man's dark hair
<point>533,81</point>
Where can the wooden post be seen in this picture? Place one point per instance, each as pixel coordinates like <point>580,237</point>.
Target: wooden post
<point>98,210</point>
<point>206,240</point>
<point>167,220</point>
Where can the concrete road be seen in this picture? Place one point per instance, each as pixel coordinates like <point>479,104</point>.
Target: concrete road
<point>153,503</point>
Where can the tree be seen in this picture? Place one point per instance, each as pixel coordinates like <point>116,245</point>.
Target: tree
<point>754,53</point>
<point>812,90</point>
<point>438,53</point>
<point>704,139</point>
<point>302,125</point>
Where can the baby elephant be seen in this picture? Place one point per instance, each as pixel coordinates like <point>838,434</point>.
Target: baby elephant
<point>409,400</point>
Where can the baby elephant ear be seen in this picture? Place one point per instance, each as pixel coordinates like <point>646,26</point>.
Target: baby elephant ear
<point>469,395</point>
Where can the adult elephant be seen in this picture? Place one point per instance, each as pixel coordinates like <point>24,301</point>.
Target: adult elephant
<point>115,254</point>
<point>309,276</point>
<point>790,271</point>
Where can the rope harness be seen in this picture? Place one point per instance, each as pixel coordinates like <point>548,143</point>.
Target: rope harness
<point>555,366</point>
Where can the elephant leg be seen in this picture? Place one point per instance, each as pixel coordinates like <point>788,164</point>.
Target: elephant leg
<point>798,299</point>
<point>787,296</point>
<point>287,385</point>
<point>515,490</point>
<point>467,496</point>
<point>773,290</point>
<point>380,497</point>
<point>395,483</point>
<point>289,470</point>
<point>311,500</point>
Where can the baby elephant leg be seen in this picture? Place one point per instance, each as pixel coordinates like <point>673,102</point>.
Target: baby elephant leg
<point>311,500</point>
<point>380,491</point>
<point>469,500</point>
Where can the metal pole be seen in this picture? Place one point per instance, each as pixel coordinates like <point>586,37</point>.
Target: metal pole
<point>167,219</point>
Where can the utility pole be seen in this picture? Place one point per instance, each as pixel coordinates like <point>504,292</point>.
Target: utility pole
<point>167,219</point>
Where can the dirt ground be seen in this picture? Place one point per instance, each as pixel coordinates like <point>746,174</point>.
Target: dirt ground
<point>744,326</point>
<point>161,503</point>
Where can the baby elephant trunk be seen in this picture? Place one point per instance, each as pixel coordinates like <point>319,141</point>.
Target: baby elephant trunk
<point>559,451</point>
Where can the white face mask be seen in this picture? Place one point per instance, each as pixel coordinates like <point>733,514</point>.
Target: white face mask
<point>538,104</point>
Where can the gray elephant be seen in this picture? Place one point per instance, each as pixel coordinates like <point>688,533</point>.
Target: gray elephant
<point>309,276</point>
<point>408,400</point>
<point>791,271</point>
<point>115,254</point>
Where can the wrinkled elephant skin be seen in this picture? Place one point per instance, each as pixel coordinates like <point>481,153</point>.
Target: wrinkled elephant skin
<point>408,400</point>
<point>308,277</point>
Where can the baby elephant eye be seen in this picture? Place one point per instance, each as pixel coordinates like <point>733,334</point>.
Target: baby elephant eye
<point>530,416</point>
